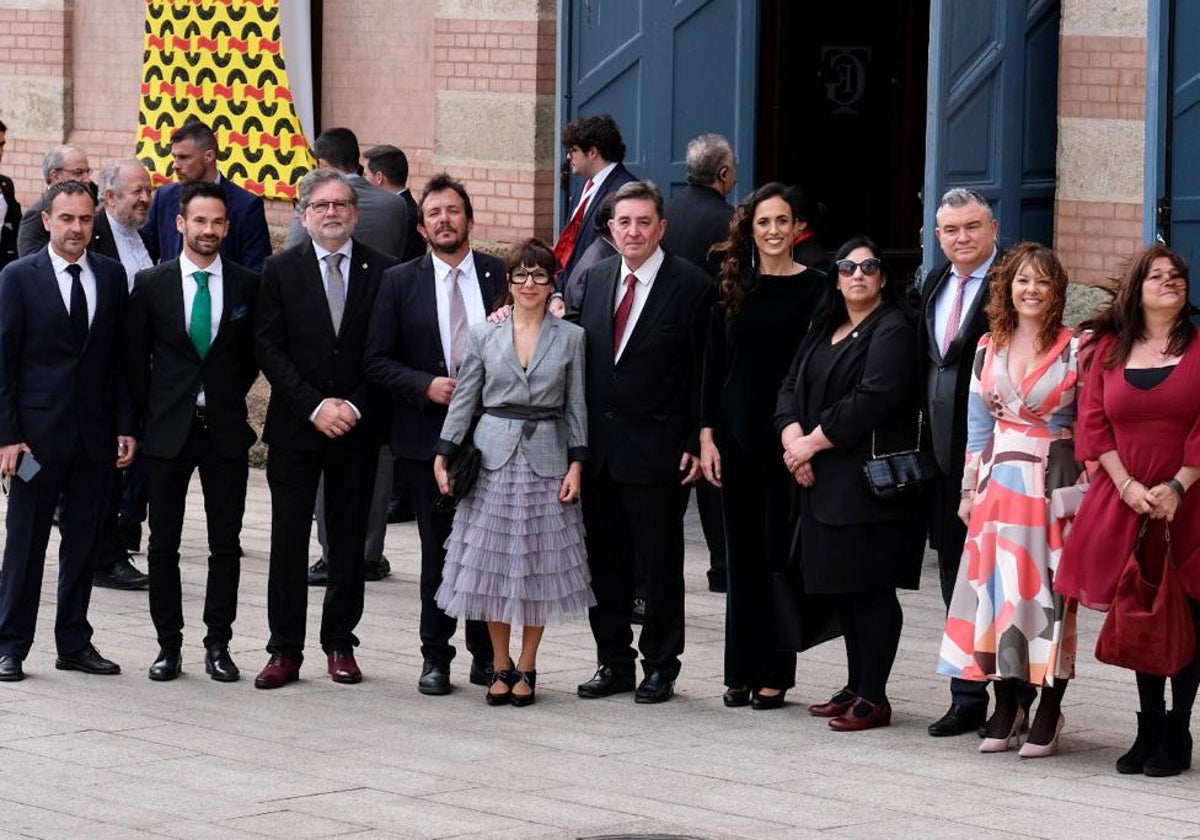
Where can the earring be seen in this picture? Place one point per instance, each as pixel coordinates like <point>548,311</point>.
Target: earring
<point>754,258</point>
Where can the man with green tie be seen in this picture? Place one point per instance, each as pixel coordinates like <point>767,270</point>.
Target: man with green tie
<point>190,336</point>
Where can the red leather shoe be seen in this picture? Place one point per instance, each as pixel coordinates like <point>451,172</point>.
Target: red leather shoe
<point>876,714</point>
<point>836,705</point>
<point>343,668</point>
<point>281,669</point>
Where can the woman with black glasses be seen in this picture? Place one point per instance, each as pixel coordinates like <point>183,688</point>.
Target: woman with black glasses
<point>515,554</point>
<point>851,393</point>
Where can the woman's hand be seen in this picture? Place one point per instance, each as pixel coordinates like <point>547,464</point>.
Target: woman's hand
<point>440,474</point>
<point>572,482</point>
<point>1137,496</point>
<point>804,475</point>
<point>800,451</point>
<point>965,506</point>
<point>1164,502</point>
<point>710,457</point>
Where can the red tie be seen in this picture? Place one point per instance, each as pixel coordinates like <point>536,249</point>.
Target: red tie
<point>621,318</point>
<point>565,247</point>
<point>956,308</point>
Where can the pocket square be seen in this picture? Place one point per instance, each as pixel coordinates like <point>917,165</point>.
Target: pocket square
<point>240,311</point>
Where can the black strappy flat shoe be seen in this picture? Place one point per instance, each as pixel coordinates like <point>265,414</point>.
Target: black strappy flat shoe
<point>529,678</point>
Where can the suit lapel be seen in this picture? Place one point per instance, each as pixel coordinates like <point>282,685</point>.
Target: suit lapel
<point>103,301</point>
<point>358,278</point>
<point>607,290</point>
<point>173,300</point>
<point>58,312</point>
<point>661,291</point>
<point>428,292</point>
<point>546,338</point>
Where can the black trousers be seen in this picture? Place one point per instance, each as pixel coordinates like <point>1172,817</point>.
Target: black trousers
<point>624,521</point>
<point>710,505</point>
<point>758,527</point>
<point>437,628</point>
<point>292,475</point>
<point>82,483</point>
<point>223,481</point>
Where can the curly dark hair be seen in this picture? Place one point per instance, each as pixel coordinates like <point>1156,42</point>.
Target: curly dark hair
<point>738,273</point>
<point>600,133</point>
<point>1000,310</point>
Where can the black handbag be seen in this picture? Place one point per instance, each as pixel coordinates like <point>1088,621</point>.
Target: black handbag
<point>899,473</point>
<point>463,469</point>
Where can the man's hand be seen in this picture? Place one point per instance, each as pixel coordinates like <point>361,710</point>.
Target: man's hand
<point>126,449</point>
<point>690,466</point>
<point>331,418</point>
<point>505,312</point>
<point>557,307</point>
<point>441,389</point>
<point>804,475</point>
<point>9,456</point>
<point>710,457</point>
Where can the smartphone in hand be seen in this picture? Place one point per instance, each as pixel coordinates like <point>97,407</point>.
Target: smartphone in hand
<point>27,467</point>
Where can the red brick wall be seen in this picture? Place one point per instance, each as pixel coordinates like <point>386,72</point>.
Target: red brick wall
<point>1095,239</point>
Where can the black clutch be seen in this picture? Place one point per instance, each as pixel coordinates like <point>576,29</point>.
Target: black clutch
<point>463,469</point>
<point>899,473</point>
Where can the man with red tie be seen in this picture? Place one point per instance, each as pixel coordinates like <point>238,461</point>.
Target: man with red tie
<point>595,151</point>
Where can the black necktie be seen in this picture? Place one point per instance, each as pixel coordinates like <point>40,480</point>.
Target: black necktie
<point>79,312</point>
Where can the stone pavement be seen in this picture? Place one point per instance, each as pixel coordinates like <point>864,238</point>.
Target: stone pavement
<point>122,757</point>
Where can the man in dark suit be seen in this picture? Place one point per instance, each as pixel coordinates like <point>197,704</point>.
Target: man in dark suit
<point>194,153</point>
<point>324,417</point>
<point>60,163</point>
<point>62,402</point>
<point>594,151</point>
<point>10,211</point>
<point>190,344</point>
<point>417,342</point>
<point>387,168</point>
<point>126,192</point>
<point>698,218</point>
<point>645,314</point>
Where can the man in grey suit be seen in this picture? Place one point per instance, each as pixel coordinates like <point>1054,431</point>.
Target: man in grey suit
<point>387,168</point>
<point>61,163</point>
<point>382,225</point>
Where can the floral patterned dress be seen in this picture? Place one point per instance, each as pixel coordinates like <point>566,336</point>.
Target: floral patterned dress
<point>1005,620</point>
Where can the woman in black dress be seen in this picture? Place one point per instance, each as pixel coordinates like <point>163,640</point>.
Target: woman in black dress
<point>853,388</point>
<point>767,299</point>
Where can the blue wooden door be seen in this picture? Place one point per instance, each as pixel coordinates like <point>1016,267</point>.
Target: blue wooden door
<point>1183,163</point>
<point>666,71</point>
<point>993,88</point>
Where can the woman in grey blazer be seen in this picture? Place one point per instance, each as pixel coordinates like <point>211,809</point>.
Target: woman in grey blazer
<point>516,553</point>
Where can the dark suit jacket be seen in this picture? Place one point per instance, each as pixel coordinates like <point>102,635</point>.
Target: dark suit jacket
<point>697,219</point>
<point>587,232</point>
<point>104,243</point>
<point>52,392</point>
<point>415,244</point>
<point>166,372</point>
<point>248,242</point>
<point>10,224</point>
<point>32,235</point>
<point>405,353</point>
<point>644,411</point>
<point>382,220</point>
<point>302,357</point>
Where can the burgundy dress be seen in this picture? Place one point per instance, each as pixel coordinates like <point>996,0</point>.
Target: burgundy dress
<point>1155,431</point>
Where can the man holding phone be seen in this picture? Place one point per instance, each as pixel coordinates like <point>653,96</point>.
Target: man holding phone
<point>63,404</point>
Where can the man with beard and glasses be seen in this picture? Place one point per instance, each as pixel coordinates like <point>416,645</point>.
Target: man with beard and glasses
<point>61,163</point>
<point>323,417</point>
<point>190,343</point>
<point>417,342</point>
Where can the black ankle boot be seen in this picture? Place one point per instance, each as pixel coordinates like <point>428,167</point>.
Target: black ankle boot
<point>1173,754</point>
<point>1149,733</point>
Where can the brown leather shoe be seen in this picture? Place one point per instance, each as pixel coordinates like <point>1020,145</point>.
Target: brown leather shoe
<point>343,668</point>
<point>836,705</point>
<point>863,715</point>
<point>281,669</point>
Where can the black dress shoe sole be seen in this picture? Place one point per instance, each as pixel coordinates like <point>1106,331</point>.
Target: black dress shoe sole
<point>318,580</point>
<point>951,730</point>
<point>657,697</point>
<point>163,675</point>
<point>766,704</point>
<point>110,582</point>
<point>735,699</point>
<point>434,690</point>
<point>597,693</point>
<point>17,677</point>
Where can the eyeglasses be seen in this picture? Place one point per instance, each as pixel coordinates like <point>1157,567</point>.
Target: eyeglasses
<point>539,276</point>
<point>323,206</point>
<point>76,174</point>
<point>869,266</point>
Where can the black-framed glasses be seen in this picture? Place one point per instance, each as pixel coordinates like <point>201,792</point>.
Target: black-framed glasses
<point>539,276</point>
<point>338,205</point>
<point>869,267</point>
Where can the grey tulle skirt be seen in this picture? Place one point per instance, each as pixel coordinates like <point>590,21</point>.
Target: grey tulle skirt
<point>516,553</point>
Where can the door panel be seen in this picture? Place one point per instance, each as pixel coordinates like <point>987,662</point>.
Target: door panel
<point>1184,135</point>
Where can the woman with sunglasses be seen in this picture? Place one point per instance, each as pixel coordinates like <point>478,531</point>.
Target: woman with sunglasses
<point>767,300</point>
<point>1139,416</point>
<point>852,392</point>
<point>1005,624</point>
<point>515,555</point>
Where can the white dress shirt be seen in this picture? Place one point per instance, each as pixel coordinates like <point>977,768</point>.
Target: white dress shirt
<point>472,297</point>
<point>944,301</point>
<point>641,290</point>
<point>130,249</point>
<point>86,278</point>
<point>596,180</point>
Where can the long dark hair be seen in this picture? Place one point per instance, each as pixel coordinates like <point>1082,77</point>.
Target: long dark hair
<point>1002,313</point>
<point>1126,321</point>
<point>738,272</point>
<point>831,312</point>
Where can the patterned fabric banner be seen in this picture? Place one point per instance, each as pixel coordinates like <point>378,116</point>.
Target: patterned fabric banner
<point>221,61</point>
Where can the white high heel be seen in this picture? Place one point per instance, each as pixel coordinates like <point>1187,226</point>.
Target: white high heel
<point>1029,750</point>
<point>995,745</point>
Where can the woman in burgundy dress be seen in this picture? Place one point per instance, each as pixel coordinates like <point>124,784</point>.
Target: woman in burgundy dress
<point>1139,416</point>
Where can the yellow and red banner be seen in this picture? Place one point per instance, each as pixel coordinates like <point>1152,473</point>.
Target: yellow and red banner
<point>222,62</point>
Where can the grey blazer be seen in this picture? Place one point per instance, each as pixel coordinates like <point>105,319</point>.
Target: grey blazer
<point>492,378</point>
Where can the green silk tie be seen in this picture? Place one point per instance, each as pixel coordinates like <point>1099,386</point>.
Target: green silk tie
<point>200,328</point>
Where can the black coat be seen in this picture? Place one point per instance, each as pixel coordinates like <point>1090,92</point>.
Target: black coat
<point>10,224</point>
<point>166,372</point>
<point>302,357</point>
<point>697,219</point>
<point>105,243</point>
<point>644,410</point>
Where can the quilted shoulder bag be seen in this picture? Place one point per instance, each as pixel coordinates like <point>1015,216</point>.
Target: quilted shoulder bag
<point>899,473</point>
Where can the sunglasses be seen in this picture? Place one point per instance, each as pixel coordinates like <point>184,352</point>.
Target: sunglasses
<point>870,267</point>
<point>539,276</point>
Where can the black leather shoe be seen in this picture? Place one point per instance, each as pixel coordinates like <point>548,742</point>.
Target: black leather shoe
<point>435,678</point>
<point>657,687</point>
<point>218,664</point>
<point>958,720</point>
<point>762,702</point>
<point>121,575</point>
<point>318,573</point>
<point>638,615</point>
<point>735,698</point>
<point>87,660</point>
<point>10,669</point>
<point>716,581</point>
<point>398,512</point>
<point>376,569</point>
<point>168,666</point>
<point>604,682</point>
